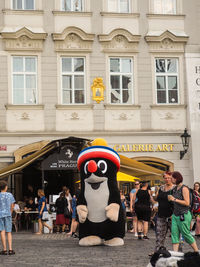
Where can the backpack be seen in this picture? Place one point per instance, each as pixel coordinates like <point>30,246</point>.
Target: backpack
<point>196,203</point>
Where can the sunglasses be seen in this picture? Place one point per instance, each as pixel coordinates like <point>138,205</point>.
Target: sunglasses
<point>136,184</point>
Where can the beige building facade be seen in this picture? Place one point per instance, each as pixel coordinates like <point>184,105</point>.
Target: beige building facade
<point>52,50</point>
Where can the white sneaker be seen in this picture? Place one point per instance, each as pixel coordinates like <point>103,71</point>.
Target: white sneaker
<point>136,235</point>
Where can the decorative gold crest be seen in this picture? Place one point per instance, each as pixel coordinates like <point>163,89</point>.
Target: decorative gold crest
<point>98,90</point>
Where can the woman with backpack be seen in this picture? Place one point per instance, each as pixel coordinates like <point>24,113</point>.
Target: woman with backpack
<point>182,216</point>
<point>196,207</point>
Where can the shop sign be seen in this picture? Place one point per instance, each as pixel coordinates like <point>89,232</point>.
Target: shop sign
<point>3,148</point>
<point>63,159</point>
<point>144,147</point>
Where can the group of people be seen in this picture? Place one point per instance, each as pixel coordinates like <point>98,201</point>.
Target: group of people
<point>173,205</point>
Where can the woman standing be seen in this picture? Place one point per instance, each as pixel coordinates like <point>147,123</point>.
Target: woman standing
<point>132,207</point>
<point>61,204</point>
<point>196,207</point>
<point>181,217</point>
<point>165,210</point>
<point>41,209</point>
<point>142,209</point>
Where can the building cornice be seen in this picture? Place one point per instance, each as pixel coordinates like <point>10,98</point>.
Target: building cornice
<point>24,107</point>
<point>172,106</point>
<point>72,13</point>
<point>22,12</point>
<point>121,107</point>
<point>120,15</point>
<point>73,107</point>
<point>165,16</point>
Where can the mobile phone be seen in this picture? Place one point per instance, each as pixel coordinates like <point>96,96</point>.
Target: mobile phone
<point>182,218</point>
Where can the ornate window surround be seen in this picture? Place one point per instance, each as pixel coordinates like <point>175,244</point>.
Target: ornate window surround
<point>73,39</point>
<point>23,40</point>
<point>119,40</point>
<point>167,44</point>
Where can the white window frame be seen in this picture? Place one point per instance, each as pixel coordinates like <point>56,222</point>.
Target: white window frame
<point>163,2</point>
<point>23,5</point>
<point>25,73</point>
<point>166,74</point>
<point>120,74</point>
<point>73,74</point>
<point>62,9</point>
<point>118,7</point>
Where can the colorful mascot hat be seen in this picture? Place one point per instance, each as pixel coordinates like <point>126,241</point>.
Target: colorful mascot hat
<point>99,149</point>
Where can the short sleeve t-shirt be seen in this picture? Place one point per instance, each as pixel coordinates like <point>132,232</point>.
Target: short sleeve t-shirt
<point>133,192</point>
<point>6,199</point>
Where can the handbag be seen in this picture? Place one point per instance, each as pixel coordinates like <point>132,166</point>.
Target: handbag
<point>66,212</point>
<point>45,216</point>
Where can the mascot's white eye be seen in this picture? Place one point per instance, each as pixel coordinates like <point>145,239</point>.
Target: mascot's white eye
<point>85,167</point>
<point>102,166</point>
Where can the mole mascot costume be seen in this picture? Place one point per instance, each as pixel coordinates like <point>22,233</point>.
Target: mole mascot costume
<point>99,206</point>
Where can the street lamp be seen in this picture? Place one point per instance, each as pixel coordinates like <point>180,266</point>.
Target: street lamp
<point>185,142</point>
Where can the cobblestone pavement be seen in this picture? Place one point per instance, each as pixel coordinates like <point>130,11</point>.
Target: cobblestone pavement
<point>58,250</point>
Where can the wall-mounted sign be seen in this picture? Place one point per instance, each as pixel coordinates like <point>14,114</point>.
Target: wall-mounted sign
<point>144,147</point>
<point>3,148</point>
<point>63,159</point>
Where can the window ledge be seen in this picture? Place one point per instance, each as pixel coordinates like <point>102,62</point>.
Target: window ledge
<point>71,13</point>
<point>22,12</point>
<point>117,14</point>
<point>72,107</point>
<point>165,16</point>
<point>167,106</point>
<point>120,106</point>
<point>24,107</point>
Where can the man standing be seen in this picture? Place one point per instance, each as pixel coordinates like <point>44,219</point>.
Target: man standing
<point>6,208</point>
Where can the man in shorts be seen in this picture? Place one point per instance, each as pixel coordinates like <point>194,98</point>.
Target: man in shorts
<point>6,208</point>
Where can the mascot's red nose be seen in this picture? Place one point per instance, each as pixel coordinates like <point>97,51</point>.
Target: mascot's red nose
<point>92,166</point>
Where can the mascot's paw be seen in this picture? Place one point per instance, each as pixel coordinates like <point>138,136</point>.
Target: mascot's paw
<point>82,213</point>
<point>116,241</point>
<point>92,240</point>
<point>112,212</point>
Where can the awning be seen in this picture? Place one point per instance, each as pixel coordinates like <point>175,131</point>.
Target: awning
<point>21,164</point>
<point>128,166</point>
<point>123,177</point>
<point>139,169</point>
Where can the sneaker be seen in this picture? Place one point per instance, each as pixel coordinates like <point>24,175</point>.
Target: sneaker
<point>136,235</point>
<point>139,235</point>
<point>145,237</point>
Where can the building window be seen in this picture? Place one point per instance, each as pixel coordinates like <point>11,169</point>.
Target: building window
<point>24,80</point>
<point>121,80</point>
<point>23,4</point>
<point>167,80</point>
<point>121,6</point>
<point>164,6</point>
<point>72,5</point>
<point>73,80</point>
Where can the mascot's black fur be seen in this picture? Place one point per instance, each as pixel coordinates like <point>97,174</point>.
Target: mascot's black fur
<point>103,221</point>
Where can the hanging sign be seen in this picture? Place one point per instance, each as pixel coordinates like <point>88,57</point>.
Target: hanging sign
<point>63,159</point>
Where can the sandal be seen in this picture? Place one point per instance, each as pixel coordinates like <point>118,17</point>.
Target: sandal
<point>3,252</point>
<point>11,252</point>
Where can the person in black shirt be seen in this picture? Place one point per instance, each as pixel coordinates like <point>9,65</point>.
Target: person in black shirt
<point>61,204</point>
<point>165,210</point>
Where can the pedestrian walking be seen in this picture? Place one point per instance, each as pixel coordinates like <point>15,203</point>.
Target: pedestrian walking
<point>6,208</point>
<point>142,209</point>
<point>181,218</point>
<point>41,209</point>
